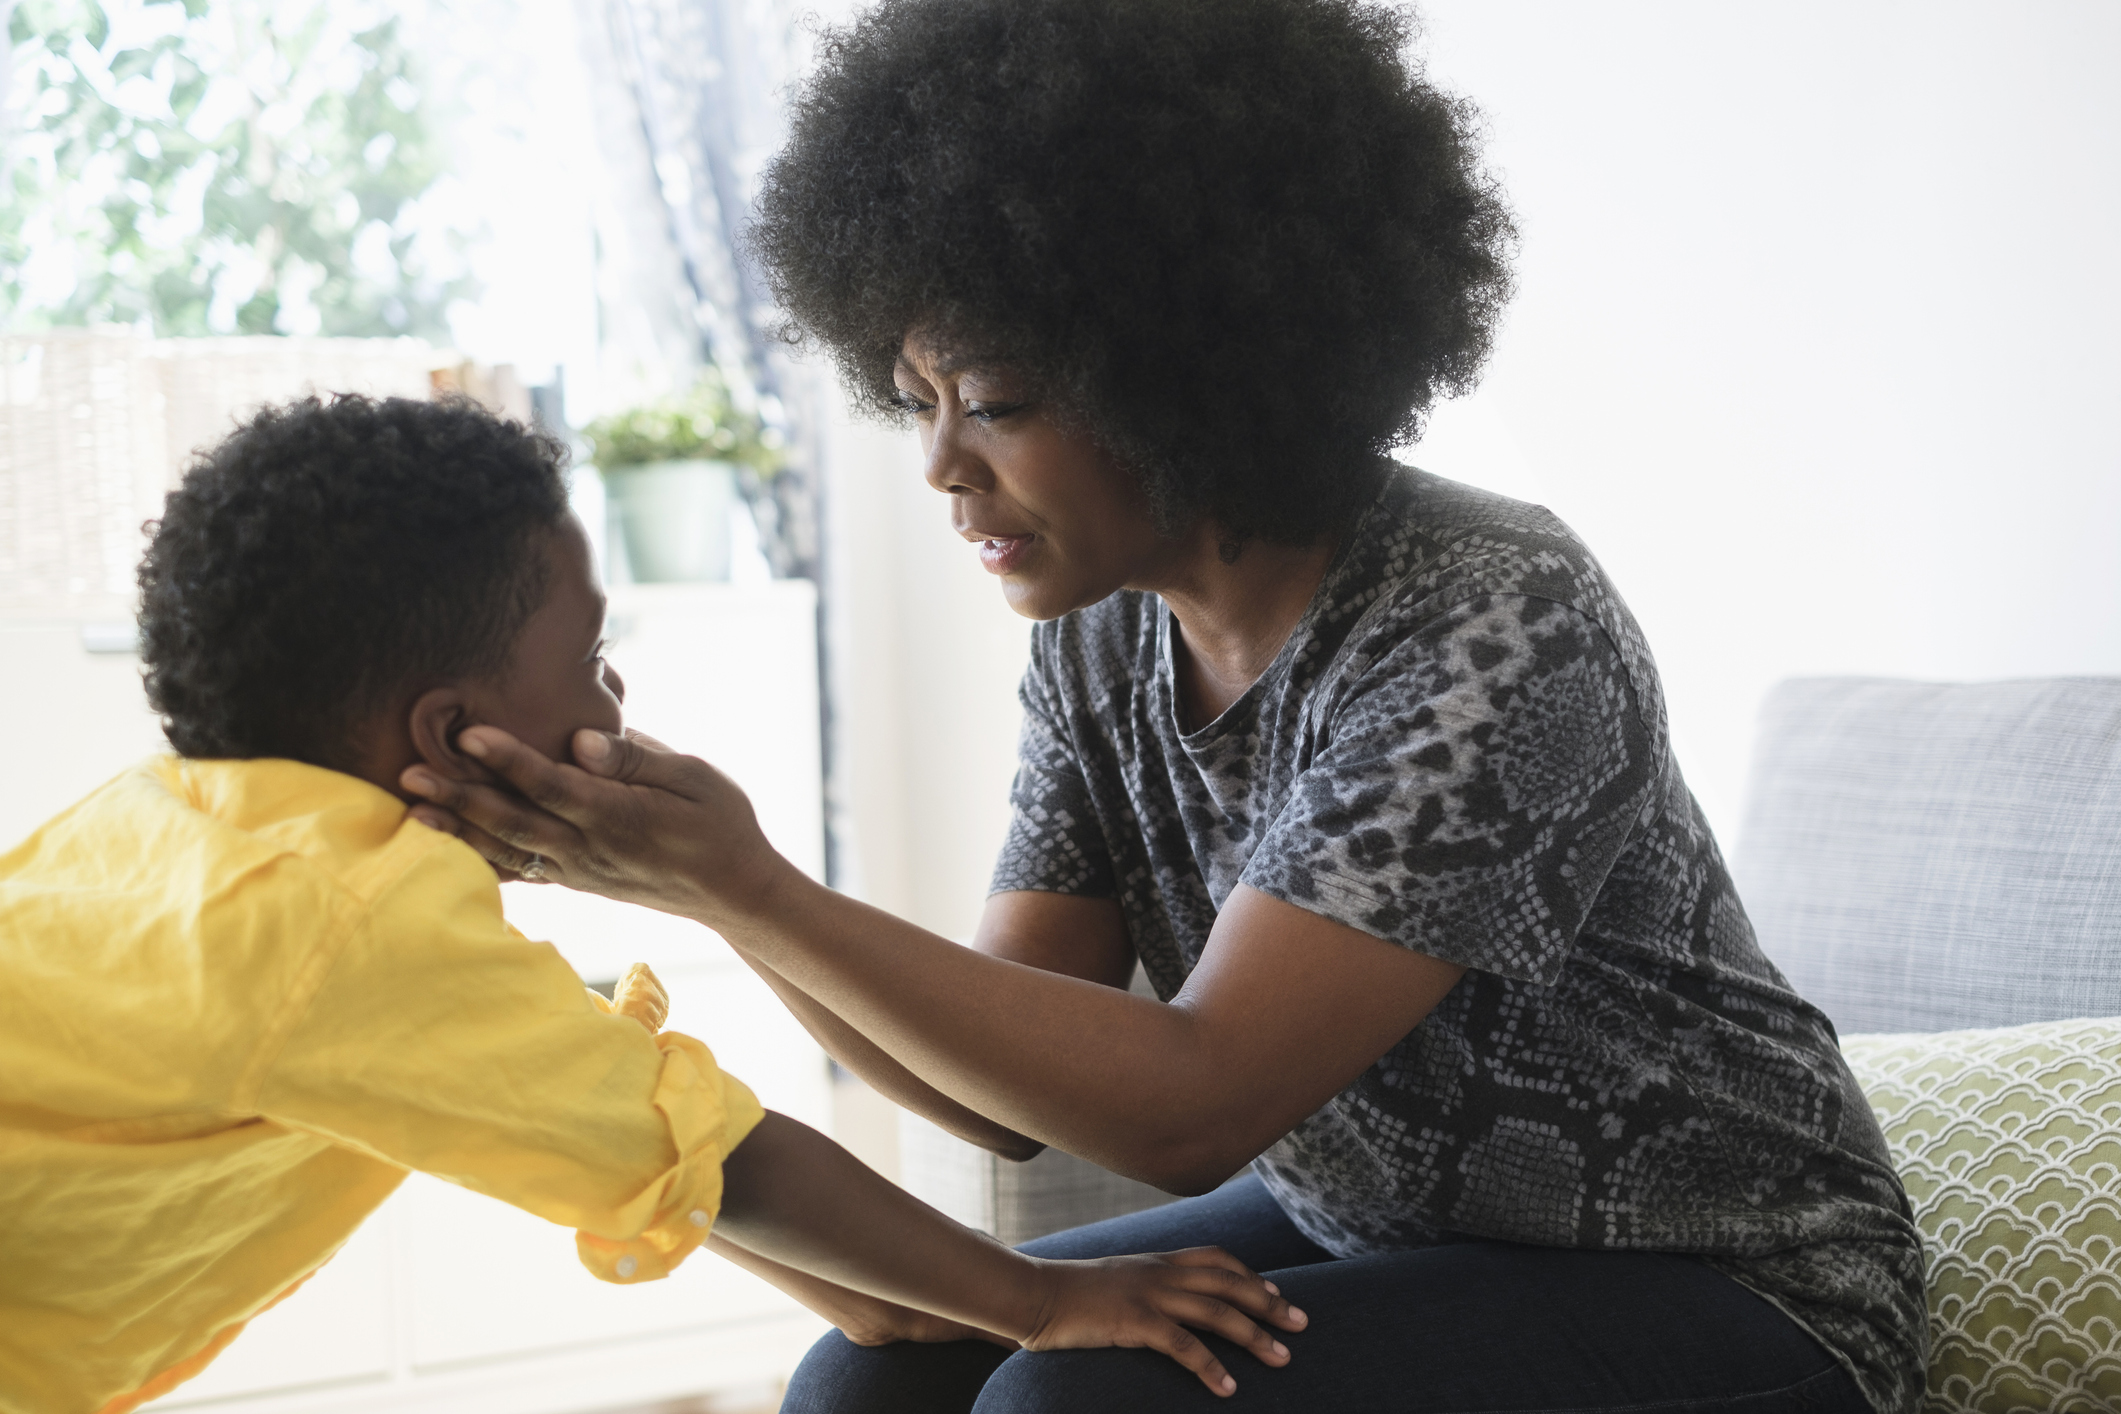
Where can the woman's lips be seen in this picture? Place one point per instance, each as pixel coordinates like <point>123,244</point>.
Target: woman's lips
<point>1001,554</point>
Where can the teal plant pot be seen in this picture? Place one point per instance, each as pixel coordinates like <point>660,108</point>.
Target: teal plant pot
<point>673,518</point>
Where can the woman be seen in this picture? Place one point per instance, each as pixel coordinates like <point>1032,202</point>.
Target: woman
<point>1366,769</point>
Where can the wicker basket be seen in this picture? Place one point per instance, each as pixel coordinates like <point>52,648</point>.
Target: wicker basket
<point>96,425</point>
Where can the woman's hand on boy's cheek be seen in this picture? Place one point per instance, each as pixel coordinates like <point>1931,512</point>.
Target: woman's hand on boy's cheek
<point>636,821</point>
<point>426,781</point>
<point>506,862</point>
<point>521,840</point>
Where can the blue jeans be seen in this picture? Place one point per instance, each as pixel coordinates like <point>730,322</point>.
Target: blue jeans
<point>1463,1327</point>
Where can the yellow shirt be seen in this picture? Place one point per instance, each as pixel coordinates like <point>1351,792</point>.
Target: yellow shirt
<point>238,1001</point>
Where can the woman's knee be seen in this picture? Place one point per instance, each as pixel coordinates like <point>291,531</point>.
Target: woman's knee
<point>840,1377</point>
<point>1072,1381</point>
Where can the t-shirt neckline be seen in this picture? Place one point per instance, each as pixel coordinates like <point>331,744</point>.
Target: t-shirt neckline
<point>1246,705</point>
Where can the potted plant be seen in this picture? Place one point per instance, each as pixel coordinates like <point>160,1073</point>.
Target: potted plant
<point>670,470</point>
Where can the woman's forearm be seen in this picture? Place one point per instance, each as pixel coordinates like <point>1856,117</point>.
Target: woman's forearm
<point>1119,1079</point>
<point>886,1076</point>
<point>1283,1009</point>
<point>812,1213</point>
<point>863,1319</point>
<point>804,1213</point>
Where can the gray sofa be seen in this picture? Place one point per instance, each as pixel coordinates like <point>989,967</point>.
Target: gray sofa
<point>1930,857</point>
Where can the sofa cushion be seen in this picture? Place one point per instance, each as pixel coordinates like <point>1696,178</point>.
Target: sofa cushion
<point>2009,1142</point>
<point>1919,856</point>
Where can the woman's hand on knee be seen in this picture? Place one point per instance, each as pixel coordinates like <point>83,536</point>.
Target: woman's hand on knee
<point>1147,1302</point>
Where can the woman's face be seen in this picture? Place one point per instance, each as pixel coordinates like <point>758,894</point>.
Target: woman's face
<point>1054,516</point>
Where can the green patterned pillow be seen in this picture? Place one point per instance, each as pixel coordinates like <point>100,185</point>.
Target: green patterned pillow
<point>2009,1142</point>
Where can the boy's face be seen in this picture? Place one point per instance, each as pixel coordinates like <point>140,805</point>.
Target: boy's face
<point>558,681</point>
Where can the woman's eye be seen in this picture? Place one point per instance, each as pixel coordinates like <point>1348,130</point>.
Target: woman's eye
<point>906,403</point>
<point>991,412</point>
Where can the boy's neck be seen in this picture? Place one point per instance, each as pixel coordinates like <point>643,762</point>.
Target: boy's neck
<point>383,749</point>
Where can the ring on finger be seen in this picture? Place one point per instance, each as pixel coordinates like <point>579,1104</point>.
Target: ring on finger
<point>534,870</point>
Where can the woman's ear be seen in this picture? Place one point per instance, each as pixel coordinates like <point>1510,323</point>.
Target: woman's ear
<point>438,715</point>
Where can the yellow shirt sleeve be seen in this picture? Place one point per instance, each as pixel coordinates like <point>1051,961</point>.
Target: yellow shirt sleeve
<point>442,1040</point>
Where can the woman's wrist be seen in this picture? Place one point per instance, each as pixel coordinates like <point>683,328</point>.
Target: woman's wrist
<point>748,898</point>
<point>1023,1297</point>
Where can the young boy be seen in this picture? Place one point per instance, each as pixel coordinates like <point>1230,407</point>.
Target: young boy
<point>242,993</point>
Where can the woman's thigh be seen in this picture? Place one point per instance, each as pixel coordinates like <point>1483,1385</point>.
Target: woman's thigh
<point>1472,1327</point>
<point>1467,1327</point>
<point>840,1377</point>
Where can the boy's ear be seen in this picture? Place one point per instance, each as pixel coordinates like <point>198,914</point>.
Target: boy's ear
<point>438,715</point>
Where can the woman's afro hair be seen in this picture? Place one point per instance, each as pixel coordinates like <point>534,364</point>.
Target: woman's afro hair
<point>330,557</point>
<point>1242,242</point>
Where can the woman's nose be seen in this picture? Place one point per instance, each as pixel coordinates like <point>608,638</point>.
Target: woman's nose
<point>953,467</point>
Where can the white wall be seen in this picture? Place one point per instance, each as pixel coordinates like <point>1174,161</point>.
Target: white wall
<point>1815,343</point>
<point>926,660</point>
<point>1816,335</point>
<point>77,718</point>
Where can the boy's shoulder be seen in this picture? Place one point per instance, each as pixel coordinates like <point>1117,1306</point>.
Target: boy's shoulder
<point>357,834</point>
<point>218,842</point>
<point>194,907</point>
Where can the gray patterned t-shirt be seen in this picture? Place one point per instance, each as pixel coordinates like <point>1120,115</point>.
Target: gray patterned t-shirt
<point>1462,749</point>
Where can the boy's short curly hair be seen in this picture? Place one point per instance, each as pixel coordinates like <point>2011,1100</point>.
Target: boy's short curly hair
<point>1243,242</point>
<point>330,557</point>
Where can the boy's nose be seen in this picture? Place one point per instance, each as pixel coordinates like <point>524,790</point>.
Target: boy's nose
<point>614,682</point>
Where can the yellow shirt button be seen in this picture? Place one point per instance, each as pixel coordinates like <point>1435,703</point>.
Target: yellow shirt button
<point>628,1265</point>
<point>698,1217</point>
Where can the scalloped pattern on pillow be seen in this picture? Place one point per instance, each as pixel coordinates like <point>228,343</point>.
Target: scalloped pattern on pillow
<point>2009,1142</point>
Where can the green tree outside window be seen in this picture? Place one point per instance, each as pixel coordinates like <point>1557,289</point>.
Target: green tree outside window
<point>223,166</point>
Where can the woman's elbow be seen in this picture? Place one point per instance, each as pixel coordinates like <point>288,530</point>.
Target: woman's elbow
<point>1193,1182</point>
<point>984,1134</point>
<point>1016,1148</point>
<point>1183,1168</point>
<point>1187,1170</point>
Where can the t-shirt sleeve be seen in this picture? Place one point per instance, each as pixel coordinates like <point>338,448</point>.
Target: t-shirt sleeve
<point>1475,784</point>
<point>444,1041</point>
<point>1055,844</point>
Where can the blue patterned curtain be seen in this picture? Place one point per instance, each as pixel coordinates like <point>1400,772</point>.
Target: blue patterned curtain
<point>706,81</point>
<point>692,98</point>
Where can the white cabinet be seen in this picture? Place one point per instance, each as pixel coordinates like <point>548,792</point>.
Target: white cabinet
<point>451,1301</point>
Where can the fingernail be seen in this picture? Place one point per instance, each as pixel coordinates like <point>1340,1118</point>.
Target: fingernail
<point>1229,1385</point>
<point>419,782</point>
<point>1272,1288</point>
<point>592,745</point>
<point>1299,1317</point>
<point>472,746</point>
<point>430,818</point>
<point>1280,1349</point>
